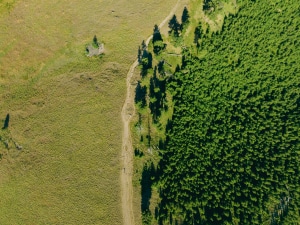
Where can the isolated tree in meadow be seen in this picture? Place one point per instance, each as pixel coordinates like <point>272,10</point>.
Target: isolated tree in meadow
<point>6,122</point>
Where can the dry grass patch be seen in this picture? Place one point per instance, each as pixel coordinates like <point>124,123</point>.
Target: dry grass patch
<point>65,107</point>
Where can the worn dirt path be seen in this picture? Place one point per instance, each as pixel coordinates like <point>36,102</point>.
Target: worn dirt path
<point>128,111</point>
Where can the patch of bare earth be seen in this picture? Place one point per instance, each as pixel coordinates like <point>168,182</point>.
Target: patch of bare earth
<point>128,111</point>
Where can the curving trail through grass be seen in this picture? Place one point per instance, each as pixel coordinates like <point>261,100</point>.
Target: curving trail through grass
<point>128,111</point>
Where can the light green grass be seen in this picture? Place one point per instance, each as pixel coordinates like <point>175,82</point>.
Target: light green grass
<point>213,19</point>
<point>65,108</point>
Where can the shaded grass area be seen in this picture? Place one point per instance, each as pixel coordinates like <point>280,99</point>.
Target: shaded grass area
<point>65,108</point>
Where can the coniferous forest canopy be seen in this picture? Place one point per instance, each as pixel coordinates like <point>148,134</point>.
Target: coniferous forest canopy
<point>231,154</point>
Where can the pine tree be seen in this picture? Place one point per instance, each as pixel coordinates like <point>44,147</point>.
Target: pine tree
<point>156,34</point>
<point>174,26</point>
<point>185,16</point>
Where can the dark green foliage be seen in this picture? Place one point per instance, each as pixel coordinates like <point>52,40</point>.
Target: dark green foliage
<point>209,4</point>
<point>177,69</point>
<point>158,46</point>
<point>160,67</point>
<point>145,59</point>
<point>6,122</point>
<point>156,34</point>
<point>183,61</point>
<point>138,153</point>
<point>95,41</point>
<point>144,46</point>
<point>140,94</point>
<point>146,183</point>
<point>185,16</point>
<point>143,55</point>
<point>157,95</point>
<point>148,176</point>
<point>139,55</point>
<point>157,41</point>
<point>146,217</point>
<point>174,26</point>
<point>233,143</point>
<point>150,58</point>
<point>198,33</point>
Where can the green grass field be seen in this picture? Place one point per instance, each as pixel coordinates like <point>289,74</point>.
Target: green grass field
<point>65,107</point>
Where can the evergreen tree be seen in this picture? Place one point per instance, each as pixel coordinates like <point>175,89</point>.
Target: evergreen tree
<point>185,16</point>
<point>174,26</point>
<point>208,4</point>
<point>197,33</point>
<point>207,32</point>
<point>156,34</point>
<point>160,67</point>
<point>158,46</point>
<point>157,40</point>
<point>140,94</point>
<point>150,60</point>
<point>177,69</point>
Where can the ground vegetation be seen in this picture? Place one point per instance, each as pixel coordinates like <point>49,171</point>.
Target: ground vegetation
<point>226,120</point>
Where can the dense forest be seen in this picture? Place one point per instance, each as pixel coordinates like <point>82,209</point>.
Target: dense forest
<point>232,148</point>
<point>231,154</point>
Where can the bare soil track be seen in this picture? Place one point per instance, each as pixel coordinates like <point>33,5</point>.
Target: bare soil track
<point>128,111</point>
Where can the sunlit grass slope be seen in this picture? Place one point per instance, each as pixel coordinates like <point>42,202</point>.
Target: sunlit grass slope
<point>64,107</point>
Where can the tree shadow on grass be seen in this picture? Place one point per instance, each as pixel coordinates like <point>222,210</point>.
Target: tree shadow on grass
<point>147,180</point>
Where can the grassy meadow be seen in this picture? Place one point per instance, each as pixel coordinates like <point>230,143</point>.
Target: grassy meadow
<point>65,107</point>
